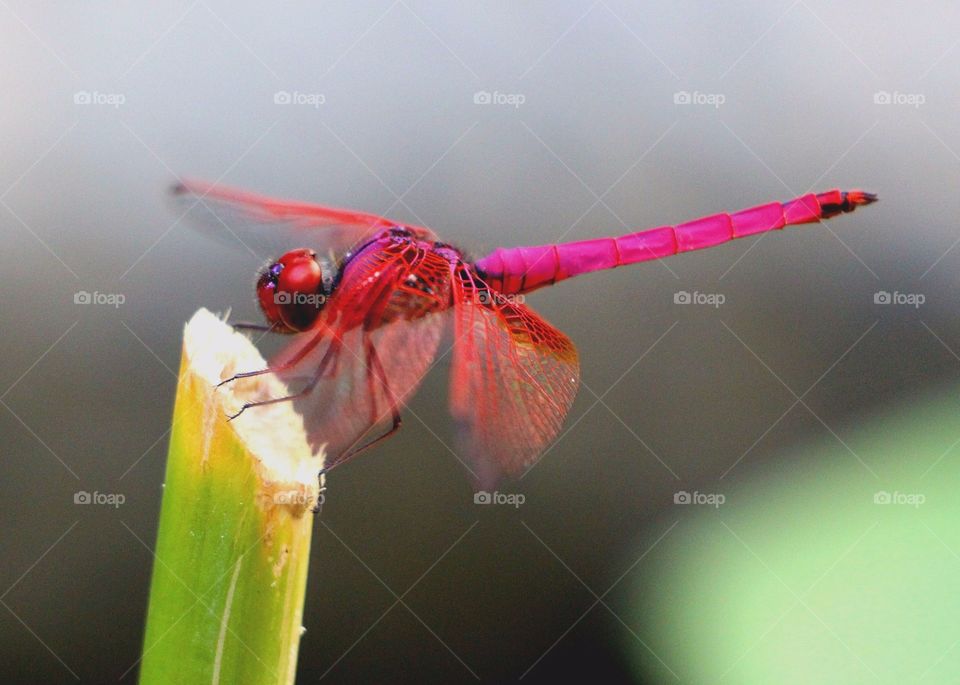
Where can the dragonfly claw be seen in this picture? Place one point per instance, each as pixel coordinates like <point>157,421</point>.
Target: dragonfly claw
<point>231,417</point>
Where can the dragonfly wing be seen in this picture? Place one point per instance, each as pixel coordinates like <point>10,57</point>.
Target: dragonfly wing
<point>269,226</point>
<point>369,370</point>
<point>514,379</point>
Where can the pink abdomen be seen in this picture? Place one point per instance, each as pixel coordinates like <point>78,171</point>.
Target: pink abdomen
<point>522,269</point>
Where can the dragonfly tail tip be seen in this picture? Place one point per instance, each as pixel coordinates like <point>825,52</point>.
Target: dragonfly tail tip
<point>861,197</point>
<point>849,201</point>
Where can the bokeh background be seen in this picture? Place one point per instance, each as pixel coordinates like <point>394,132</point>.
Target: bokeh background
<point>797,400</point>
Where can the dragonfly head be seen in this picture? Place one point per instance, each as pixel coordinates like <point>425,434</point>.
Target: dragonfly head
<point>293,290</point>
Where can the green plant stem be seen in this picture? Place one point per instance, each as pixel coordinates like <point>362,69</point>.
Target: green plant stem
<point>230,567</point>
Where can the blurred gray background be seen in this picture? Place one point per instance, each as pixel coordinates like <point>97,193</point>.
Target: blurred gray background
<point>105,104</point>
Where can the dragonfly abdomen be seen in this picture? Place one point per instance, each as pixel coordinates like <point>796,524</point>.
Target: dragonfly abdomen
<point>522,269</point>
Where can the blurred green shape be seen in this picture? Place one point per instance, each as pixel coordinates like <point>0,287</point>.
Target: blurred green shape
<point>838,563</point>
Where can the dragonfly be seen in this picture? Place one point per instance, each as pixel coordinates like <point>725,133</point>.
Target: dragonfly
<point>367,302</point>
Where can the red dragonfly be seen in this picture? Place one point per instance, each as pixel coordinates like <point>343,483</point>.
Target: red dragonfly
<point>370,299</point>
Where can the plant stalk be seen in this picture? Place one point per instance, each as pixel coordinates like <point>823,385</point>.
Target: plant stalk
<point>230,566</point>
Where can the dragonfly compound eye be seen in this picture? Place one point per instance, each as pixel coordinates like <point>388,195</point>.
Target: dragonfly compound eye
<point>292,291</point>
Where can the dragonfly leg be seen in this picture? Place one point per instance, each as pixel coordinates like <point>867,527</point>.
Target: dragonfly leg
<point>373,362</point>
<point>321,493</point>
<point>397,423</point>
<point>274,400</point>
<point>248,326</point>
<point>251,374</point>
<point>290,363</point>
<point>306,390</point>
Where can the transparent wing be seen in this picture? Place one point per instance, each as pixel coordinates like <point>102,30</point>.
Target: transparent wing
<point>514,379</point>
<point>269,226</point>
<point>372,355</point>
